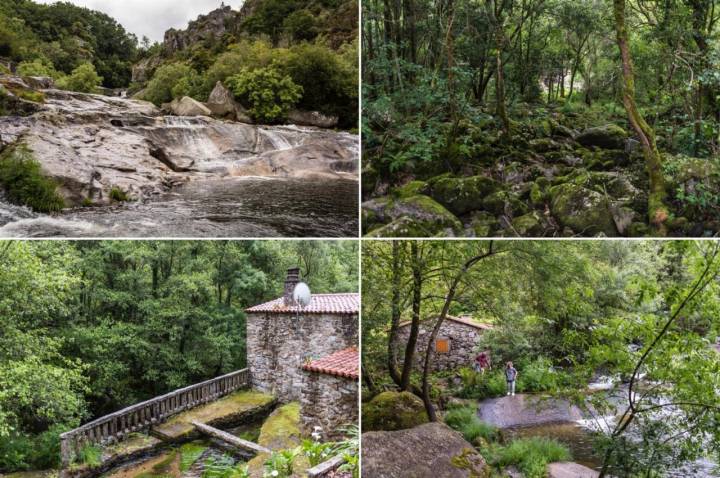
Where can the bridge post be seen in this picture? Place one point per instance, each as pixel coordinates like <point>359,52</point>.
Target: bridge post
<point>65,452</point>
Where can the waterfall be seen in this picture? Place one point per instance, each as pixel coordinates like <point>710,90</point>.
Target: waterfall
<point>192,134</point>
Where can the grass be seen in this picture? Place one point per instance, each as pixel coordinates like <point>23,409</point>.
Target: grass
<point>465,420</point>
<point>22,178</point>
<point>90,455</point>
<point>189,454</point>
<point>117,194</point>
<point>531,455</point>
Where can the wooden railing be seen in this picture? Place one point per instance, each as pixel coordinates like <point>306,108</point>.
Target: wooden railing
<point>116,426</point>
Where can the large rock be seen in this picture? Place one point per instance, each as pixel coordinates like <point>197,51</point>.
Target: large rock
<point>527,410</point>
<point>462,195</point>
<point>426,217</point>
<point>189,107</point>
<point>610,136</point>
<point>211,26</point>
<point>570,470</point>
<point>426,451</point>
<point>393,411</point>
<point>222,104</point>
<point>585,211</point>
<point>143,71</point>
<point>312,118</point>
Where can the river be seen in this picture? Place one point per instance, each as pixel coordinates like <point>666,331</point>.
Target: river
<point>218,208</point>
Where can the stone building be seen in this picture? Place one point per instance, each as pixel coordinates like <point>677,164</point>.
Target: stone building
<point>282,337</point>
<point>455,346</point>
<point>329,395</point>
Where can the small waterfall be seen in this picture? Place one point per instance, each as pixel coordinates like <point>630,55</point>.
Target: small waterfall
<point>192,134</point>
<point>278,140</point>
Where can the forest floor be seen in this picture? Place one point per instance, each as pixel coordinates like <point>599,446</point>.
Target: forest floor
<point>564,171</point>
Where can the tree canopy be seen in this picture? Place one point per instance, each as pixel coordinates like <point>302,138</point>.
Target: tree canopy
<point>89,327</point>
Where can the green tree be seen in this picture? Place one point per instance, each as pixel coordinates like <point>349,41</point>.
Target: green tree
<point>83,79</point>
<point>268,94</point>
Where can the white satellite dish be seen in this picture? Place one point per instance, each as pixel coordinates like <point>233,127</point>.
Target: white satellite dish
<point>301,295</point>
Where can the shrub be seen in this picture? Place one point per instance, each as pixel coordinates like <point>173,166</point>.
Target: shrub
<point>117,194</point>
<point>266,93</point>
<point>329,79</point>
<point>538,376</point>
<point>466,421</point>
<point>301,25</point>
<point>479,386</point>
<point>532,455</point>
<point>83,79</point>
<point>30,95</point>
<point>160,89</point>
<point>24,182</point>
<point>89,455</point>
<point>37,67</point>
<point>251,55</point>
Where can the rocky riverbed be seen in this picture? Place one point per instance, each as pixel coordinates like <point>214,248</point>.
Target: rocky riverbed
<point>186,176</point>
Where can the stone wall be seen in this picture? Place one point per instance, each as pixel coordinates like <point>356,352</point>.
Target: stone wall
<point>328,401</point>
<point>279,344</point>
<point>463,344</point>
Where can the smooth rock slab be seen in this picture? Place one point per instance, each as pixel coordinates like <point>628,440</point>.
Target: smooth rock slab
<point>427,451</point>
<point>527,410</point>
<point>233,409</point>
<point>570,470</point>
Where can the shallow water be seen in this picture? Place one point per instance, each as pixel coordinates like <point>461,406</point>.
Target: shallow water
<point>229,207</point>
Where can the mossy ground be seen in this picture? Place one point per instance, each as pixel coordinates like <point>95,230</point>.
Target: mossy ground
<point>241,402</point>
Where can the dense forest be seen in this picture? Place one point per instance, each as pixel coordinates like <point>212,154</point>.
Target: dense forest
<point>89,327</point>
<point>565,313</point>
<point>541,117</point>
<point>54,40</point>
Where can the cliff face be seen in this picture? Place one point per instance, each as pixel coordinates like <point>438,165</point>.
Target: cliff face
<point>207,27</point>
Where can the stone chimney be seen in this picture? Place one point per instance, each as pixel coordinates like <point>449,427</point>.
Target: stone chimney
<point>293,277</point>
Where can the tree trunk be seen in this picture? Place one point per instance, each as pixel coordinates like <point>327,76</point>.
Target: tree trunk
<point>395,314</point>
<point>499,35</point>
<point>657,209</point>
<point>409,359</point>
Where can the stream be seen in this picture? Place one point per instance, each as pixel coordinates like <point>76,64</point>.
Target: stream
<point>579,437</point>
<point>228,207</point>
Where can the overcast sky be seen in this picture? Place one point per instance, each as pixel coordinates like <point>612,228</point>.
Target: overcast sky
<point>152,17</point>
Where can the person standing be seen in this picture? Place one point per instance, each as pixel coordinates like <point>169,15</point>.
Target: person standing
<point>510,376</point>
<point>482,362</point>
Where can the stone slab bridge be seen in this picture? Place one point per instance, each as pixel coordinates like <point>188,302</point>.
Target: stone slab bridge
<point>176,417</point>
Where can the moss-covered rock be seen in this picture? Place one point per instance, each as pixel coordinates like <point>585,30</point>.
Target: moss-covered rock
<point>281,431</point>
<point>530,224</point>
<point>410,189</point>
<point>420,213</point>
<point>391,411</point>
<point>483,224</point>
<point>505,203</point>
<point>610,136</point>
<point>462,195</point>
<point>584,211</point>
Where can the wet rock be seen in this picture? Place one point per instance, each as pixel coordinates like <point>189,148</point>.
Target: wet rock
<point>583,210</point>
<point>40,82</point>
<point>189,107</point>
<point>462,195</point>
<point>312,118</point>
<point>390,411</point>
<point>427,216</point>
<point>505,203</point>
<point>527,410</point>
<point>426,451</point>
<point>570,470</point>
<point>610,136</point>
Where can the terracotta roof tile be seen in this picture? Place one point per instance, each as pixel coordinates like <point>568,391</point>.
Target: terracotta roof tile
<point>460,320</point>
<point>319,304</point>
<point>343,363</point>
